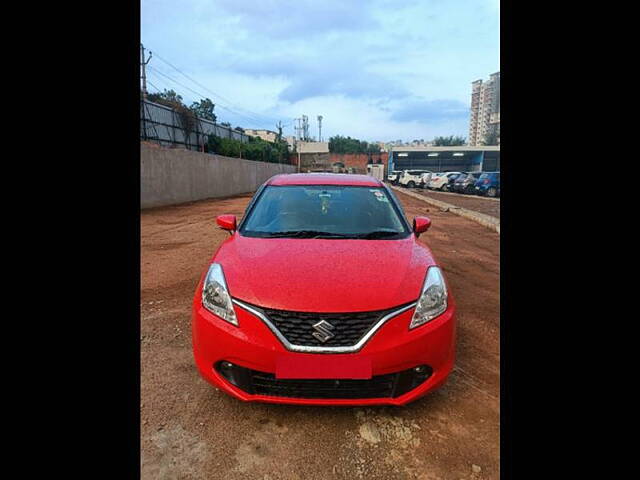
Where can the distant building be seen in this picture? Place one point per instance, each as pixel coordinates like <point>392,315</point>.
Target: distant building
<point>267,135</point>
<point>463,158</point>
<point>291,142</point>
<point>312,147</point>
<point>485,109</point>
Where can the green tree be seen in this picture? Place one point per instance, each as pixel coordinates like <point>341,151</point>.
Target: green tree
<point>168,97</point>
<point>449,141</point>
<point>204,109</point>
<point>340,144</point>
<point>254,149</point>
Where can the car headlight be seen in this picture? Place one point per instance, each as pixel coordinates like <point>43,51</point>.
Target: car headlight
<point>433,300</point>
<point>215,295</point>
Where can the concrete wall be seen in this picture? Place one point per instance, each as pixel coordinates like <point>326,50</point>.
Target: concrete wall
<point>325,161</point>
<point>313,161</point>
<point>171,176</point>
<point>359,161</point>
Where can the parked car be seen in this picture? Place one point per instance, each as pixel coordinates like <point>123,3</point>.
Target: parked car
<point>440,181</point>
<point>289,309</point>
<point>452,179</point>
<point>425,178</point>
<point>394,176</point>
<point>412,178</point>
<point>488,184</point>
<point>465,183</point>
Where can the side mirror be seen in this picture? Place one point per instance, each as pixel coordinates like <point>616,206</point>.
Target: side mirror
<point>421,225</point>
<point>227,222</point>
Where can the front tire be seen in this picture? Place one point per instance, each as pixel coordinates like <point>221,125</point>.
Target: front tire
<point>411,184</point>
<point>492,192</point>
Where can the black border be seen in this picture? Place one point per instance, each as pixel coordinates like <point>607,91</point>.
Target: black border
<point>81,164</point>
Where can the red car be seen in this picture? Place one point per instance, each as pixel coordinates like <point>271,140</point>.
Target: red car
<point>323,295</point>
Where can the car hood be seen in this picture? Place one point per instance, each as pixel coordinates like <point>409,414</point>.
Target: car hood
<point>324,275</point>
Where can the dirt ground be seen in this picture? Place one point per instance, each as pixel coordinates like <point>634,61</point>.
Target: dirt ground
<point>471,202</point>
<point>190,430</point>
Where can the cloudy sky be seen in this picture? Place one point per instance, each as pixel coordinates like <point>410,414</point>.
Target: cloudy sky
<point>374,69</point>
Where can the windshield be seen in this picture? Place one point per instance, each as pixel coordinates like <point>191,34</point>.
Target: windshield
<point>323,211</point>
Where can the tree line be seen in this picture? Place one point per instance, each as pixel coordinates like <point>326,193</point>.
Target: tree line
<point>254,149</point>
<point>340,144</point>
<point>203,109</point>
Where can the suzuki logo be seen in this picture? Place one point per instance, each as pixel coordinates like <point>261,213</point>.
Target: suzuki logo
<point>323,331</point>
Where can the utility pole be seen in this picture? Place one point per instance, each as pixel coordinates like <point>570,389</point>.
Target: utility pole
<point>319,128</point>
<point>143,64</point>
<point>296,127</point>
<point>305,128</point>
<point>279,140</point>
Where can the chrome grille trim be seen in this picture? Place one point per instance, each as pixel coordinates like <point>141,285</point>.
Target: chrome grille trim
<point>319,349</point>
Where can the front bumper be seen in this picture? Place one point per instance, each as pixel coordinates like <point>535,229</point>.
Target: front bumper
<point>392,349</point>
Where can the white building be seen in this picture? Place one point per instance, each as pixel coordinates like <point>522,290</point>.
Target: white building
<point>485,109</point>
<point>267,135</point>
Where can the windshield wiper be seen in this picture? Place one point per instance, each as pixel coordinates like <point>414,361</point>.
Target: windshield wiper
<point>305,234</point>
<point>377,234</point>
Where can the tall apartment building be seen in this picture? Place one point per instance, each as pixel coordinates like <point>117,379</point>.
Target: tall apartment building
<point>485,109</point>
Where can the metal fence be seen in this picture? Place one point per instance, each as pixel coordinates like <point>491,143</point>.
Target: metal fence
<point>162,124</point>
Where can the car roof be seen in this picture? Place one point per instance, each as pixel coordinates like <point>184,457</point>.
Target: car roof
<point>324,179</point>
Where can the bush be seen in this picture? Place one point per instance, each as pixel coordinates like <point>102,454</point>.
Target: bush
<point>340,144</point>
<point>254,149</point>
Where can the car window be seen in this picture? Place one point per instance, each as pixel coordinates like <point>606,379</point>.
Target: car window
<point>339,210</point>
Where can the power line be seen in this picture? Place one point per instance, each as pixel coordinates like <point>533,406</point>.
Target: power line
<point>254,121</point>
<point>216,94</point>
<point>212,92</point>
<point>149,82</point>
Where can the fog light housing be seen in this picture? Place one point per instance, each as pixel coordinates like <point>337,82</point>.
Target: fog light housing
<point>412,378</point>
<point>235,375</point>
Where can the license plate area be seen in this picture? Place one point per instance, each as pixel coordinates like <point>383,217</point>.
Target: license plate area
<point>324,366</point>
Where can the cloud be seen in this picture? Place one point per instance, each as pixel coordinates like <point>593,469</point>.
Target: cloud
<point>431,111</point>
<point>352,85</point>
<point>375,69</point>
<point>305,18</point>
<point>340,71</point>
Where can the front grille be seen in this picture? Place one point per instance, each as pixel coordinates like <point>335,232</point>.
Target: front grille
<point>380,386</point>
<point>348,328</point>
<point>391,385</point>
